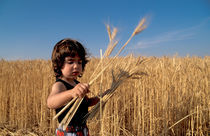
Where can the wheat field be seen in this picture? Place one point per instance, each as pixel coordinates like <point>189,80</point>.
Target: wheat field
<point>171,98</point>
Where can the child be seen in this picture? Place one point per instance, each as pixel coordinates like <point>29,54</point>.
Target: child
<point>69,59</point>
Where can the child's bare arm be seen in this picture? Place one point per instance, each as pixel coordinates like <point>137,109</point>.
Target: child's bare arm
<point>93,101</point>
<point>59,96</point>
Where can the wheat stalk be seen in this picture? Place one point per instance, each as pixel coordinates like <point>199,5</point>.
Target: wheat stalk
<point>109,49</point>
<point>140,27</point>
<point>124,74</point>
<point>59,113</point>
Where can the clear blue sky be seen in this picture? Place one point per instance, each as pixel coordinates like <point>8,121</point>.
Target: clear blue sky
<point>30,28</point>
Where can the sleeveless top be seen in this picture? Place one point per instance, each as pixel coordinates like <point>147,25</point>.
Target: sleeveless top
<point>77,120</point>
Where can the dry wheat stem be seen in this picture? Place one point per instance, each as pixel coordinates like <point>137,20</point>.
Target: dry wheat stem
<point>109,49</point>
<point>137,30</point>
<point>101,110</point>
<point>180,121</point>
<point>110,93</point>
<point>98,75</point>
<point>123,46</point>
<point>140,27</point>
<point>115,83</point>
<point>68,114</point>
<point>120,79</point>
<point>58,114</point>
<point>114,33</point>
<point>77,103</point>
<point>109,32</point>
<point>95,109</point>
<point>126,131</point>
<point>106,54</point>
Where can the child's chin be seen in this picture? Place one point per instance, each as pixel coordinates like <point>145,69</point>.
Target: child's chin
<point>74,76</point>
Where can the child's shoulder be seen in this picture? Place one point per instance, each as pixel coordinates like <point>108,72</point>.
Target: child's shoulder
<point>59,86</point>
<point>58,83</point>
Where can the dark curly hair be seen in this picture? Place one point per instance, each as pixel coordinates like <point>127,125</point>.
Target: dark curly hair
<point>64,48</point>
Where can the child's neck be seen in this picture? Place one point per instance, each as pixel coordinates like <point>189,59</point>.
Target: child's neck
<point>70,81</point>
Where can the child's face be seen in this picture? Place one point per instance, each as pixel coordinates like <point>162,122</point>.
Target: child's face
<point>72,67</point>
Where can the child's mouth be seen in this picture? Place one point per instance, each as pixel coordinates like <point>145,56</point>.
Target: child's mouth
<point>75,73</point>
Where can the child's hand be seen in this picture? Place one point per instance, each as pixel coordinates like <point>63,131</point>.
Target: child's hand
<point>80,90</point>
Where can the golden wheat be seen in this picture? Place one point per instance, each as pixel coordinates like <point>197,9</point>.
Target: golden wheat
<point>172,99</point>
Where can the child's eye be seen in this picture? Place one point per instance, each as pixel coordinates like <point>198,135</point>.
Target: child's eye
<point>79,62</point>
<point>70,62</point>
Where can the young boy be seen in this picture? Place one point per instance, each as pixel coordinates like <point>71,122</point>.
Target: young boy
<point>69,59</point>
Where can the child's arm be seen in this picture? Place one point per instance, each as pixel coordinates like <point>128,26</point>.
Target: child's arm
<point>59,96</point>
<point>94,100</point>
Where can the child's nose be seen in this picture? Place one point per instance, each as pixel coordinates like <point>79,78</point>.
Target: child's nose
<point>76,65</point>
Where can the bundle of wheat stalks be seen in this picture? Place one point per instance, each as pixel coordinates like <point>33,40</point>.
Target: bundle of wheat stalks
<point>123,74</point>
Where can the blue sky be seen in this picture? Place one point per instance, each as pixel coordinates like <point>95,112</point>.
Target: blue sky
<point>30,28</point>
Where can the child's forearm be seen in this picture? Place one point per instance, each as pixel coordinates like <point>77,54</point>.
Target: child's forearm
<point>93,101</point>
